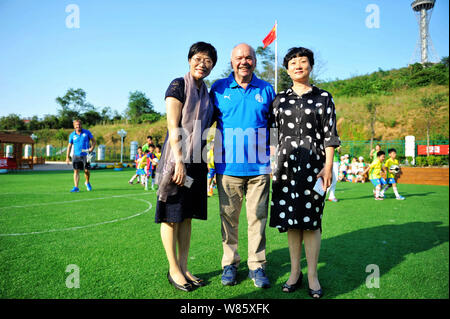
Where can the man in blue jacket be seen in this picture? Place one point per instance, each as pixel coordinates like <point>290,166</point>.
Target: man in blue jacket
<point>242,162</point>
<point>83,142</point>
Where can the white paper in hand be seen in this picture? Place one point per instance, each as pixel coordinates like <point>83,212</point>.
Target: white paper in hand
<point>318,187</point>
<point>188,181</point>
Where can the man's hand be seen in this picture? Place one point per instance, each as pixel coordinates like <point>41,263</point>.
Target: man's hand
<point>67,161</point>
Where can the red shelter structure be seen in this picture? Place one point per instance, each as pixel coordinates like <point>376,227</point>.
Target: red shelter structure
<point>16,161</point>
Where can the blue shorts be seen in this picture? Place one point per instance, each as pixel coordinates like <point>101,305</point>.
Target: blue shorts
<point>211,173</point>
<point>378,181</point>
<point>391,181</point>
<point>140,171</point>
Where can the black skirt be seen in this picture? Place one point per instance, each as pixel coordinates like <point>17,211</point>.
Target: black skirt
<point>188,202</point>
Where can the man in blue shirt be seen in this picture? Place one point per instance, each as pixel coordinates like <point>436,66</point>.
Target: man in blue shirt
<point>242,162</point>
<point>83,142</point>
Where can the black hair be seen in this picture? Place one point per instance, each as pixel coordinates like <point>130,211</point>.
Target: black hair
<point>203,47</point>
<point>298,52</point>
<point>150,137</point>
<point>151,145</point>
<point>392,150</point>
<point>139,147</point>
<point>158,146</point>
<point>147,151</point>
<point>381,153</point>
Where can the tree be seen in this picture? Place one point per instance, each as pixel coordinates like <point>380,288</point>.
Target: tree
<point>106,114</point>
<point>430,105</point>
<point>72,105</point>
<point>371,106</point>
<point>12,122</point>
<point>61,136</point>
<point>34,124</point>
<point>50,121</point>
<point>138,105</point>
<point>284,80</point>
<point>45,135</point>
<point>74,100</point>
<point>90,118</point>
<point>444,61</point>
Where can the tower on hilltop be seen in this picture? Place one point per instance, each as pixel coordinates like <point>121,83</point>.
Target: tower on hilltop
<point>423,10</point>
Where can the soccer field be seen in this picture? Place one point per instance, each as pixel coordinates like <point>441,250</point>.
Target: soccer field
<point>109,237</point>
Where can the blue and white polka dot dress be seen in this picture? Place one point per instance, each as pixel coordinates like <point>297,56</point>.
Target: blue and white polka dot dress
<point>306,126</point>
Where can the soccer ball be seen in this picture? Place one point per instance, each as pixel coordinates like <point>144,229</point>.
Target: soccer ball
<point>394,169</point>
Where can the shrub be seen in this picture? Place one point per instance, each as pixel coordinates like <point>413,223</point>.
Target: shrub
<point>432,160</point>
<point>421,161</point>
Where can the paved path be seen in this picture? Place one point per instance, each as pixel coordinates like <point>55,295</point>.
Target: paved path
<point>56,166</point>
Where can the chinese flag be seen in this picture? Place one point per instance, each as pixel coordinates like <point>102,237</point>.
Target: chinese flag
<point>270,37</point>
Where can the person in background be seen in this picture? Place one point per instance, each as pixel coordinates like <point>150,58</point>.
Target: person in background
<point>158,151</point>
<point>151,162</point>
<point>137,158</point>
<point>83,142</point>
<point>331,191</point>
<point>361,177</point>
<point>374,152</point>
<point>391,174</point>
<point>343,168</point>
<point>375,169</point>
<point>147,145</point>
<point>211,170</point>
<point>353,170</point>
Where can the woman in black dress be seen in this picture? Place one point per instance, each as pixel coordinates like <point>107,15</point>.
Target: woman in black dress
<point>189,113</point>
<point>306,120</point>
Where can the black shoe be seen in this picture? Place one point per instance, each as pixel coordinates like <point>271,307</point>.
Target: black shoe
<point>315,294</point>
<point>291,288</point>
<point>186,287</point>
<point>198,283</point>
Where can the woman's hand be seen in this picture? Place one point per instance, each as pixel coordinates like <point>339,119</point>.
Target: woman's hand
<point>327,176</point>
<point>179,175</point>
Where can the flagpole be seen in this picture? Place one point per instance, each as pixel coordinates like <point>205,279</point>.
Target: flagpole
<point>276,57</point>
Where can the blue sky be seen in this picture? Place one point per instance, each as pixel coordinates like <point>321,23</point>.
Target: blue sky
<point>122,46</point>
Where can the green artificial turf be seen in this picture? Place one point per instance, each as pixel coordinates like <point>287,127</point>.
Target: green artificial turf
<point>110,235</point>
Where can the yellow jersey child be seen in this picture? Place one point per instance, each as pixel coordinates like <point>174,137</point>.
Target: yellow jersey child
<point>375,170</point>
<point>393,169</point>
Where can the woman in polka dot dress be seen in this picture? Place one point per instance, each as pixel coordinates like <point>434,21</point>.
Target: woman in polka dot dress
<point>306,121</point>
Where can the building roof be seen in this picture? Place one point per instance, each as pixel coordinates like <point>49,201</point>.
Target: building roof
<point>6,137</point>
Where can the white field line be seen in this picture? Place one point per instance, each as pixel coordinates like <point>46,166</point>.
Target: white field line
<point>87,226</point>
<point>70,201</point>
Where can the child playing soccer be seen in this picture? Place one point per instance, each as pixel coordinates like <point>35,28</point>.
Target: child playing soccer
<point>137,158</point>
<point>391,176</point>
<point>211,171</point>
<point>157,151</point>
<point>141,165</point>
<point>150,167</point>
<point>375,174</point>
